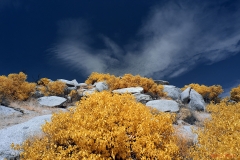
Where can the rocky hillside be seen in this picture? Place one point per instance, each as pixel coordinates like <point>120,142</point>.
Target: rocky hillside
<point>26,106</point>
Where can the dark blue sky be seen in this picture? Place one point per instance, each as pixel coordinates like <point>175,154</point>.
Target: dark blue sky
<point>179,41</point>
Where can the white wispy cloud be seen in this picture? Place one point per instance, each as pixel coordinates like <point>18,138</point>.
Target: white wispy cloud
<point>174,38</point>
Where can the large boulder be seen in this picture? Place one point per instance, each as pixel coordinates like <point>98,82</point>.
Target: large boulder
<point>100,86</point>
<point>17,134</point>
<point>164,105</point>
<point>129,90</point>
<point>52,101</point>
<point>185,95</point>
<point>172,91</point>
<point>196,101</point>
<point>142,97</point>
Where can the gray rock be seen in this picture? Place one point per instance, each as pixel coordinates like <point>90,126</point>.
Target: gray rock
<point>164,105</point>
<point>129,90</point>
<point>71,88</point>
<point>72,83</point>
<point>172,91</point>
<point>186,132</point>
<point>142,97</point>
<point>17,134</point>
<point>185,95</point>
<point>89,91</point>
<point>6,111</point>
<point>161,82</point>
<point>196,101</point>
<point>51,101</point>
<point>100,86</point>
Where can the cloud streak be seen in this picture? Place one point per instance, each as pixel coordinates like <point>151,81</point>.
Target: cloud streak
<point>174,39</point>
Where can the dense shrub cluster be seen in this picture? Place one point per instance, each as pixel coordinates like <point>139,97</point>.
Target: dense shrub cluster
<point>235,94</point>
<point>106,126</point>
<point>220,137</point>
<point>127,80</point>
<point>15,87</point>
<point>209,93</point>
<point>51,88</point>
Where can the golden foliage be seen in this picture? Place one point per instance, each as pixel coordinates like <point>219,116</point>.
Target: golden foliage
<point>51,88</point>
<point>220,137</point>
<point>105,126</point>
<point>126,81</point>
<point>15,87</point>
<point>43,81</point>
<point>235,94</point>
<point>209,93</point>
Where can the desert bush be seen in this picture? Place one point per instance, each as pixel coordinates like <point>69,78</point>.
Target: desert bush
<point>126,81</point>
<point>51,88</point>
<point>209,93</point>
<point>43,81</point>
<point>105,125</point>
<point>220,137</point>
<point>15,87</point>
<point>235,94</point>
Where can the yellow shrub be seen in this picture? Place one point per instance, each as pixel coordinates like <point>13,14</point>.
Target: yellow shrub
<point>220,137</point>
<point>235,94</point>
<point>43,81</point>
<point>15,87</point>
<point>105,126</point>
<point>56,87</point>
<point>126,81</point>
<point>49,88</point>
<point>210,93</point>
<point>112,81</point>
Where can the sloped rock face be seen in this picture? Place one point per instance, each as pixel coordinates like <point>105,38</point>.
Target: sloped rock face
<point>164,105</point>
<point>51,101</point>
<point>196,101</point>
<point>172,91</point>
<point>17,134</point>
